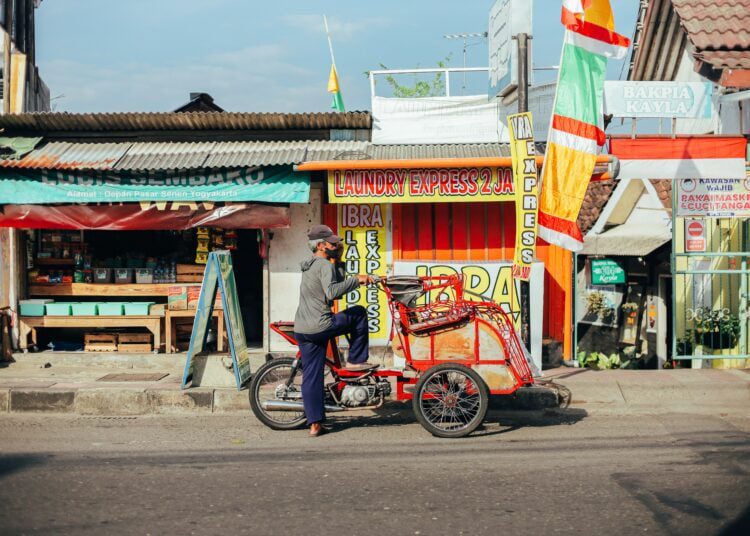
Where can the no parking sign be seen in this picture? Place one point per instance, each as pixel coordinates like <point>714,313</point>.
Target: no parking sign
<point>695,235</point>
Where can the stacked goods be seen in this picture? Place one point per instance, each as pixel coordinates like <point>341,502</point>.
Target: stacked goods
<point>203,239</point>
<point>60,259</point>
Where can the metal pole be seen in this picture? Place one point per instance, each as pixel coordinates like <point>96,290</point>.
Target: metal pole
<point>6,56</point>
<point>523,72</point>
<point>523,106</point>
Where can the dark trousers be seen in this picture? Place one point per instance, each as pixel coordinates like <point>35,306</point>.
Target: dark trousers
<point>313,349</point>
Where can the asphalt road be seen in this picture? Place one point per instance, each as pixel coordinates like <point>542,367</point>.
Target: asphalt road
<point>532,474</point>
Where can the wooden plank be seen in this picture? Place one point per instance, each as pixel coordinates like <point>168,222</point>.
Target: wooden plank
<point>135,348</point>
<point>190,269</point>
<point>460,231</point>
<point>91,289</point>
<point>125,338</point>
<point>425,237</point>
<point>396,231</point>
<point>190,278</point>
<point>494,232</point>
<point>477,232</point>
<point>509,230</point>
<point>409,249</point>
<point>442,232</point>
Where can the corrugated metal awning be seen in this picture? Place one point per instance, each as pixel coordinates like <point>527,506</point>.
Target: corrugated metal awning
<point>155,156</point>
<point>45,122</point>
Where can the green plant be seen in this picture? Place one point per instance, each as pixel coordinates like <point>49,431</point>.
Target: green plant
<point>716,328</point>
<point>598,360</point>
<point>685,343</point>
<point>629,307</point>
<point>421,88</point>
<point>599,305</point>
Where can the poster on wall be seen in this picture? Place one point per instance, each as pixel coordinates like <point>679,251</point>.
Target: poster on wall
<point>493,280</point>
<point>715,198</point>
<point>597,304</point>
<point>364,230</point>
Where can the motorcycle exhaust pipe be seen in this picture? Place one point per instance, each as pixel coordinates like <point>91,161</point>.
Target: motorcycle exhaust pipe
<point>286,405</point>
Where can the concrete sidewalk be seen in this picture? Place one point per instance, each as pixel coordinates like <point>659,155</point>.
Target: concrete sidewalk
<point>150,384</point>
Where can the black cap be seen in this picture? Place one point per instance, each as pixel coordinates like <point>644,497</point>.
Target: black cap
<point>323,232</point>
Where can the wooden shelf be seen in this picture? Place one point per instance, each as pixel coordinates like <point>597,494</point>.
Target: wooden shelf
<point>46,261</point>
<point>90,289</point>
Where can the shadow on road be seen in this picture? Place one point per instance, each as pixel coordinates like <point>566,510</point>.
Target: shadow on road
<point>18,462</point>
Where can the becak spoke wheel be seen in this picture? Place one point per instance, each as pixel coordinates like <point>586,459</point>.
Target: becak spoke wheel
<point>269,383</point>
<point>450,400</point>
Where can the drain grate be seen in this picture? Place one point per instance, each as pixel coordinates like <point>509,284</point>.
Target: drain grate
<point>133,377</point>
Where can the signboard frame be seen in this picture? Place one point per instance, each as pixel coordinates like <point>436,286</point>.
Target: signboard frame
<point>219,276</point>
<point>684,100</point>
<point>598,279</point>
<point>507,18</point>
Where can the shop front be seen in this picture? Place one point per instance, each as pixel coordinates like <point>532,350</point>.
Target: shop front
<point>442,217</point>
<point>707,284</point>
<point>113,260</point>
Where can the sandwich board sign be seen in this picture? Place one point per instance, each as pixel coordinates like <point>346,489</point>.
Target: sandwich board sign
<point>219,275</point>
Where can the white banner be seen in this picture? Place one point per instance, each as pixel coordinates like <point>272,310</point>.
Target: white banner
<point>436,120</point>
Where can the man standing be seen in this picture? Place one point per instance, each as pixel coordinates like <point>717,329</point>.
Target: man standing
<point>315,323</point>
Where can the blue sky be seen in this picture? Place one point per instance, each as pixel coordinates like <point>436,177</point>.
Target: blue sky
<point>148,55</point>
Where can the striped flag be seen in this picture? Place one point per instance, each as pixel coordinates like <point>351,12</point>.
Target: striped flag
<point>576,130</point>
<point>333,87</point>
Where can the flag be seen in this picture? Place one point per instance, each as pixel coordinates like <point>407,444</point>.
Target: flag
<point>333,87</point>
<point>576,131</point>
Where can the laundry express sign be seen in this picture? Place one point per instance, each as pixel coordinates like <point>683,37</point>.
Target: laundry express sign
<point>364,229</point>
<point>420,185</point>
<point>658,99</point>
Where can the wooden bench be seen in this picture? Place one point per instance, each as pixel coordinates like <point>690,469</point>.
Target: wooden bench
<point>171,334</point>
<point>27,325</point>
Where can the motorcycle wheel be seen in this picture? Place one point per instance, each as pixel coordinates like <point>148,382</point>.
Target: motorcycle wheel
<point>450,400</point>
<point>268,378</point>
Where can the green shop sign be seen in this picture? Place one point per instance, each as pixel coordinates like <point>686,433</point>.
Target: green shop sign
<point>606,272</point>
<point>266,185</point>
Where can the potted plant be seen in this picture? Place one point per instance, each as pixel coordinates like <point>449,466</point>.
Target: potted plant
<point>629,307</point>
<point>717,329</point>
<point>599,306</point>
<point>685,343</point>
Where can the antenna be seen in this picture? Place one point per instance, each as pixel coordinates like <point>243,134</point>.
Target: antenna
<point>465,36</point>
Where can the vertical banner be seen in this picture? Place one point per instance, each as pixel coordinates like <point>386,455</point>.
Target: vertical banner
<point>364,229</point>
<point>523,153</point>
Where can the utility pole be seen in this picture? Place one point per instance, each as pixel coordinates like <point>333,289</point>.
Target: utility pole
<point>8,16</point>
<point>465,36</point>
<point>523,106</point>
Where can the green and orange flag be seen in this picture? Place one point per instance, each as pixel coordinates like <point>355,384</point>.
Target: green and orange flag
<point>333,87</point>
<point>576,131</point>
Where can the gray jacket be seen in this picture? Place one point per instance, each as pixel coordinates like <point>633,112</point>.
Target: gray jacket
<point>321,285</point>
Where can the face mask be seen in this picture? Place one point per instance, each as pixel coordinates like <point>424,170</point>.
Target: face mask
<point>333,253</point>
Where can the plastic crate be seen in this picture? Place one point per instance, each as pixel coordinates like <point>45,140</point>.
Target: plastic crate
<point>33,307</point>
<point>102,275</point>
<point>123,275</point>
<point>85,309</point>
<point>137,308</point>
<point>58,308</point>
<point>144,276</point>
<point>111,308</point>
